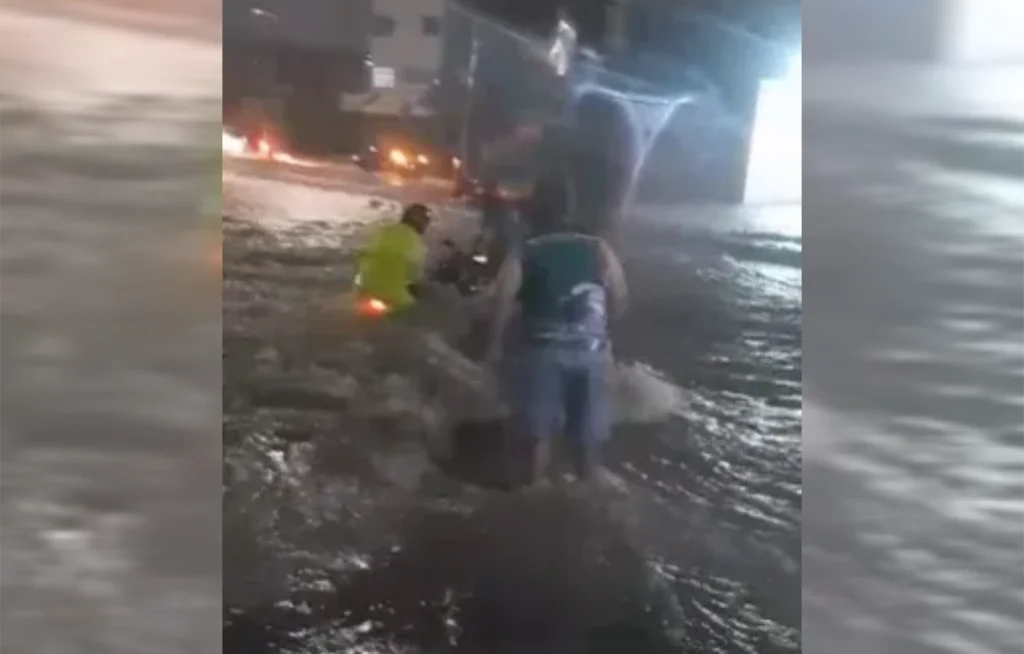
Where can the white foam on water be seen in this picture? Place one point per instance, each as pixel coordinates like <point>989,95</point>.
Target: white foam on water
<point>644,395</point>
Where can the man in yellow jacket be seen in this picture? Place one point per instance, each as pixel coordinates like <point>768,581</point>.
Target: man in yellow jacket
<point>391,265</point>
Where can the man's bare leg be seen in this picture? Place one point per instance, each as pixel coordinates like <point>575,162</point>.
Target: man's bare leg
<point>586,460</point>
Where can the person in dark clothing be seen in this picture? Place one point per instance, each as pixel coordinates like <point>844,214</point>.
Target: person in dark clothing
<point>501,228</point>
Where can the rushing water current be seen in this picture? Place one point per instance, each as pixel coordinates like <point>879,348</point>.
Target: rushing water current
<point>914,383</point>
<point>341,533</point>
<point>108,348</point>
<point>344,530</point>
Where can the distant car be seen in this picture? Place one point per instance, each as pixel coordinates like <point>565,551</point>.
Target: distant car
<point>405,162</point>
<point>258,145</point>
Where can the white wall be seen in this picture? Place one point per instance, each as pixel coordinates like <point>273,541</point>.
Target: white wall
<point>775,165</point>
<point>408,44</point>
<point>407,50</point>
<point>984,30</point>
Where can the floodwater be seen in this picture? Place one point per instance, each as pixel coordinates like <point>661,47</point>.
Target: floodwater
<point>348,535</point>
<point>111,327</point>
<point>343,529</point>
<point>914,410</point>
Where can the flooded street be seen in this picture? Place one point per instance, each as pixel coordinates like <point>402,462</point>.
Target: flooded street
<point>343,526</point>
<point>913,412</point>
<point>110,329</point>
<point>341,532</point>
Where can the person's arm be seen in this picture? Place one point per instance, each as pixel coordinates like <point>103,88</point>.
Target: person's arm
<point>370,247</point>
<point>614,278</point>
<point>506,289</point>
<point>417,261</point>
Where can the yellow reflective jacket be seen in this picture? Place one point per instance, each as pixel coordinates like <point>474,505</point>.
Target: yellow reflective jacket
<point>391,262</point>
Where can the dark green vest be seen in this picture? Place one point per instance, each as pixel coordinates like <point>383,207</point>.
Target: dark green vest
<point>562,294</point>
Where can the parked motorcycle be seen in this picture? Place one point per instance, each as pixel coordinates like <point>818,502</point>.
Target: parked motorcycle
<point>468,272</point>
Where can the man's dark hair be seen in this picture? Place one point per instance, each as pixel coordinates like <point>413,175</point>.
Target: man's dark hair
<point>548,208</point>
<point>417,216</point>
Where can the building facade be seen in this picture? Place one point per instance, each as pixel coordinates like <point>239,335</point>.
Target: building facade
<point>311,24</point>
<point>404,57</point>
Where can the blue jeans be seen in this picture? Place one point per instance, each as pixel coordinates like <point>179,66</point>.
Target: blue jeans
<point>552,384</point>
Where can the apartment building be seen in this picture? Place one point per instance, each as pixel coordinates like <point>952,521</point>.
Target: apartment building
<point>404,57</point>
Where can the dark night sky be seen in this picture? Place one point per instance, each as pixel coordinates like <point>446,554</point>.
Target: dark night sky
<point>330,24</point>
<point>341,23</point>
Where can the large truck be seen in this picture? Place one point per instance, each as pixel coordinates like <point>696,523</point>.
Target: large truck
<point>654,95</point>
